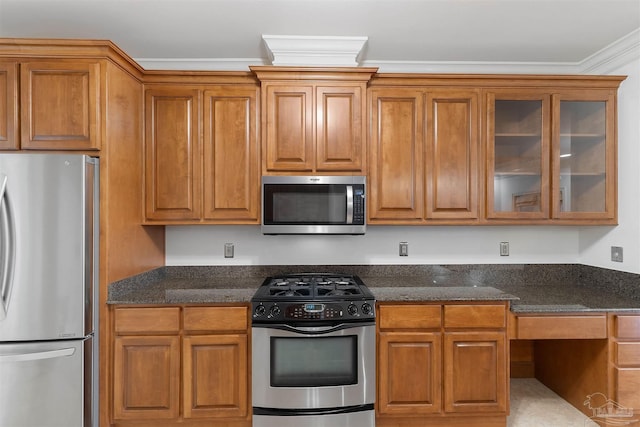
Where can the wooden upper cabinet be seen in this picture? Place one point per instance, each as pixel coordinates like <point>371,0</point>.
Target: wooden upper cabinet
<point>313,119</point>
<point>452,154</point>
<point>423,149</point>
<point>60,105</point>
<point>231,154</point>
<point>518,133</point>
<point>173,159</point>
<point>583,156</point>
<point>396,149</point>
<point>289,129</point>
<point>9,129</point>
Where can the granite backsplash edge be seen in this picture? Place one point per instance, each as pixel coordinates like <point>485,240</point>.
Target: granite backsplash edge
<point>494,275</point>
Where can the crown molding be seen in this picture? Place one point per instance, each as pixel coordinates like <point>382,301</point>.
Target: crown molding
<point>333,51</point>
<point>606,60</point>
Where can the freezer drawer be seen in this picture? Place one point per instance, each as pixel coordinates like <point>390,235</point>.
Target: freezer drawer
<point>46,384</point>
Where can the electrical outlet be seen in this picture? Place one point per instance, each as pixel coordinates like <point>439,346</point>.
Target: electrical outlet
<point>228,250</point>
<point>404,249</point>
<point>504,248</point>
<point>616,253</point>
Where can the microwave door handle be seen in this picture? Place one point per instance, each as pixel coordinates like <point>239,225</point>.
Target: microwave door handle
<point>349,204</point>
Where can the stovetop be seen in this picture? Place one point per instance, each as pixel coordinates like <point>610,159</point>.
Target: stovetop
<point>305,297</point>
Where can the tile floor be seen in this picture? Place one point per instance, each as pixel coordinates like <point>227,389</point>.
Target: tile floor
<point>535,405</point>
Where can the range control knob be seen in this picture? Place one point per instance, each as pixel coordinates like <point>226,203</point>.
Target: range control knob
<point>260,310</point>
<point>274,311</point>
<point>352,309</point>
<point>366,308</point>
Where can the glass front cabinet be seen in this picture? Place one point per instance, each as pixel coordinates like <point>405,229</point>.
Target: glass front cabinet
<point>551,156</point>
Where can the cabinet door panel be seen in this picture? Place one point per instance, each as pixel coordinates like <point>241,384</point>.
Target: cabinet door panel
<point>172,154</point>
<point>627,382</point>
<point>9,106</point>
<point>289,129</point>
<point>452,155</point>
<point>146,377</point>
<point>584,155</point>
<point>396,171</point>
<point>340,128</point>
<point>409,373</point>
<point>215,376</point>
<point>231,163</point>
<point>518,132</point>
<point>60,106</point>
<point>475,372</point>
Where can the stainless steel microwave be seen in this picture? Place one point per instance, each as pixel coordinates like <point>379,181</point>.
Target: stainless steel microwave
<point>313,204</point>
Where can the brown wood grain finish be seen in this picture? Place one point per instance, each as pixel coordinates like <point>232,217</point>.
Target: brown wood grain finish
<point>60,105</point>
<point>162,320</point>
<point>215,375</point>
<point>289,126</point>
<point>475,316</point>
<point>627,381</point>
<point>340,128</point>
<point>215,319</point>
<point>410,373</point>
<point>146,377</point>
<point>431,366</point>
<point>9,112</point>
<point>231,154</point>
<point>562,327</point>
<point>627,354</point>
<point>518,148</point>
<point>409,316</point>
<point>475,374</point>
<point>396,150</point>
<point>627,327</point>
<point>173,157</point>
<point>592,165</point>
<point>452,154</point>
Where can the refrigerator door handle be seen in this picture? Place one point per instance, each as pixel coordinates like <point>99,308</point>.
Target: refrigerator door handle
<point>7,247</point>
<point>40,355</point>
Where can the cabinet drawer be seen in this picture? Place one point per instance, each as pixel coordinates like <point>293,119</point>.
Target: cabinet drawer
<point>147,320</point>
<point>418,316</point>
<point>561,327</point>
<point>474,316</point>
<point>215,319</point>
<point>627,383</point>
<point>627,353</point>
<point>627,327</point>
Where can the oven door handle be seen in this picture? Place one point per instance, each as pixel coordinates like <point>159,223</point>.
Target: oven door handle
<point>317,330</point>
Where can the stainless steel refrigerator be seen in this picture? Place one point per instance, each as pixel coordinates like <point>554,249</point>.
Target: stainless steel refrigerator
<point>48,290</point>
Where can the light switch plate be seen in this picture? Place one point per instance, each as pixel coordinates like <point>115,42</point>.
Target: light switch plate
<point>404,249</point>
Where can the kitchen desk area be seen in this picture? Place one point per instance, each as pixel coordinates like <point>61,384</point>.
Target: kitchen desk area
<point>575,328</point>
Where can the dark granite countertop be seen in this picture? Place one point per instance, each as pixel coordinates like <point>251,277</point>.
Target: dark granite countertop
<point>528,288</point>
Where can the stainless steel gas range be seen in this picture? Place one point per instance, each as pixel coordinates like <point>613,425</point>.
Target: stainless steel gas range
<point>313,339</point>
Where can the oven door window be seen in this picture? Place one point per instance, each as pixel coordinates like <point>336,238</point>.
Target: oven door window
<point>314,362</point>
<point>305,204</point>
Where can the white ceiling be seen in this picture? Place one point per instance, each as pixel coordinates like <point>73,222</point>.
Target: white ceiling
<point>555,31</point>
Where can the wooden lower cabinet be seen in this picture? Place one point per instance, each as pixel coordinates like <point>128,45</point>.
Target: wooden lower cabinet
<point>625,346</point>
<point>442,365</point>
<point>181,365</point>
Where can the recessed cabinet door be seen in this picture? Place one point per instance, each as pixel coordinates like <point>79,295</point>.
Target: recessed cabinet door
<point>231,154</point>
<point>9,136</point>
<point>584,155</point>
<point>146,377</point>
<point>475,377</point>
<point>289,142</point>
<point>172,173</point>
<point>409,370</point>
<point>215,376</point>
<point>518,132</point>
<point>452,155</point>
<point>396,167</point>
<point>340,128</point>
<point>60,106</point>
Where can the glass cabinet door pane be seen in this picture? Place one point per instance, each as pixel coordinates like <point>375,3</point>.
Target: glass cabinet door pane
<point>518,172</point>
<point>582,156</point>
